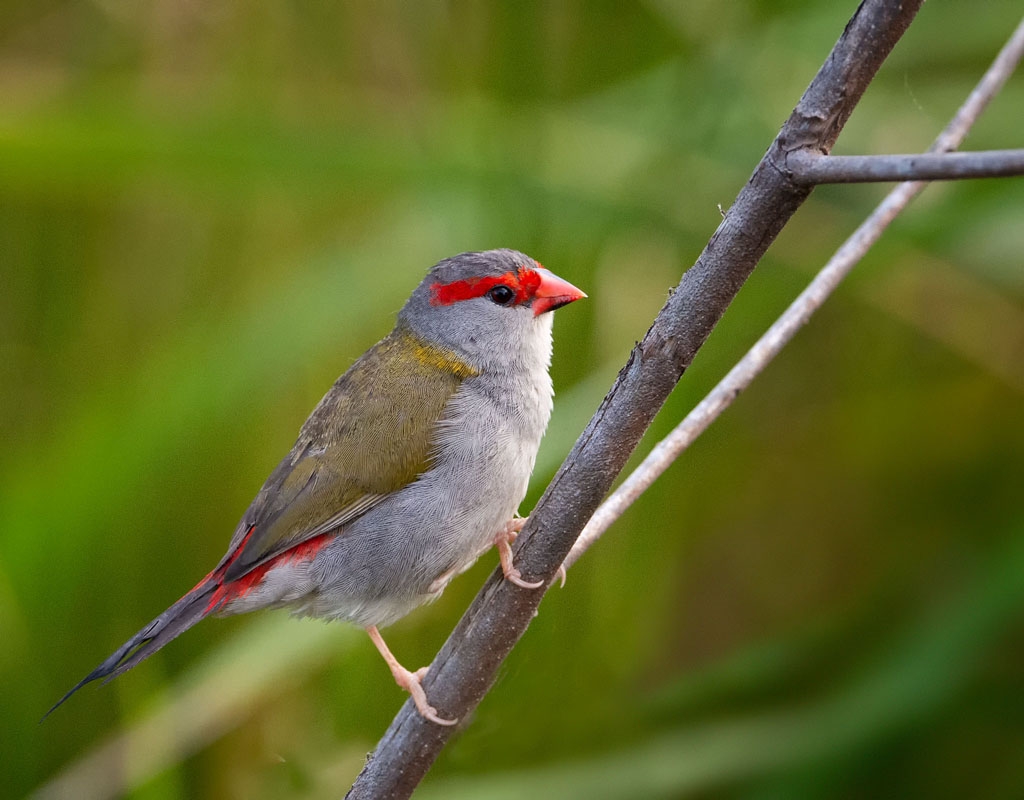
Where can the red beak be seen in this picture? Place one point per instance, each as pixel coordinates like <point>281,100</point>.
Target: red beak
<point>553,292</point>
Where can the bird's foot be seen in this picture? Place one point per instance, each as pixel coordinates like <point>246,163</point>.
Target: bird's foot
<point>412,682</point>
<point>441,581</point>
<point>503,541</point>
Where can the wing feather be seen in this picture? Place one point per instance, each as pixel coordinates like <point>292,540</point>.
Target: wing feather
<point>370,435</point>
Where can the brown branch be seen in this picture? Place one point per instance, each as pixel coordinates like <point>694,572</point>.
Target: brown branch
<point>466,667</point>
<point>814,168</point>
<point>799,312</point>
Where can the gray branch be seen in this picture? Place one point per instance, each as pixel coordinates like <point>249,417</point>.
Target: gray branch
<point>809,167</point>
<point>467,665</point>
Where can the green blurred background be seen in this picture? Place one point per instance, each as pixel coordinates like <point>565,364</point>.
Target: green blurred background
<point>207,210</point>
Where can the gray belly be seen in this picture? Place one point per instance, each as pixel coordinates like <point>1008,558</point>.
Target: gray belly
<point>383,564</point>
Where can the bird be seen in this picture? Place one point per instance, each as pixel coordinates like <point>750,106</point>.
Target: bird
<point>411,467</point>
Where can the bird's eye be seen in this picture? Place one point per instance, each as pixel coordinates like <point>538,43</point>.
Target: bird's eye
<point>501,294</point>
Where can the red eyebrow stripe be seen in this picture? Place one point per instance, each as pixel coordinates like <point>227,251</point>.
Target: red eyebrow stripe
<point>524,284</point>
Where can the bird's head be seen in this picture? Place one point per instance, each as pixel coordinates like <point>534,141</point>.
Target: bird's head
<point>490,307</point>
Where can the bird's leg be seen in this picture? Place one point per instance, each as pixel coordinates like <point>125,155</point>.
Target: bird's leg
<point>503,541</point>
<point>412,682</point>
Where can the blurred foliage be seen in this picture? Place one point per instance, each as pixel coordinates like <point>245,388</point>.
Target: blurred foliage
<point>209,209</point>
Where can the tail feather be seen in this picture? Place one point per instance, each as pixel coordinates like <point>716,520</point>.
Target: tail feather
<point>175,620</point>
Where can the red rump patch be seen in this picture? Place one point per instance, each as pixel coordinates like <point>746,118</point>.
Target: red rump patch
<point>217,574</point>
<point>225,593</point>
<point>523,282</point>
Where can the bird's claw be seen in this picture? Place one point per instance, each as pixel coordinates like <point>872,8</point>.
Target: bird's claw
<point>503,541</point>
<point>412,682</point>
<point>515,576</point>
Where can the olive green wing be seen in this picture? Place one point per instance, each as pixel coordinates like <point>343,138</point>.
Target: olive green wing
<point>371,435</point>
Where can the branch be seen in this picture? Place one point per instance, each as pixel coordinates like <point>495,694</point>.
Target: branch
<point>799,312</point>
<point>467,665</point>
<point>813,168</point>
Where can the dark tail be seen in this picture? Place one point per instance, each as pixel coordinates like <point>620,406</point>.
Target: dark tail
<point>175,620</point>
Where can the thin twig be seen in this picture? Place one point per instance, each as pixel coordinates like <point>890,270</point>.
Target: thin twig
<point>799,312</point>
<point>816,168</point>
<point>467,664</point>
